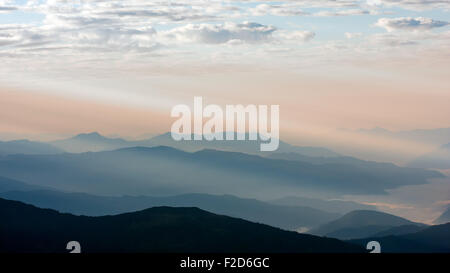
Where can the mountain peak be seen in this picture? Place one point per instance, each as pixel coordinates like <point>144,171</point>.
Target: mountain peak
<point>373,214</point>
<point>92,135</point>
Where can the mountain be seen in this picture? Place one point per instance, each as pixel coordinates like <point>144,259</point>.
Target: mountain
<point>94,142</point>
<point>7,184</point>
<point>25,228</point>
<point>398,244</point>
<point>432,239</point>
<point>400,230</point>
<point>27,147</point>
<point>167,171</point>
<point>444,218</point>
<point>285,217</point>
<point>250,147</point>
<point>438,137</point>
<point>320,160</point>
<point>438,159</point>
<point>360,224</point>
<point>91,142</point>
<point>438,235</point>
<point>335,206</point>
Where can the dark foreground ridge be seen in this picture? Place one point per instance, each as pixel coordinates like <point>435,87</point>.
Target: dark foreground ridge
<point>25,228</point>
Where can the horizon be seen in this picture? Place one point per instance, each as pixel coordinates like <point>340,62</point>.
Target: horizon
<point>335,99</point>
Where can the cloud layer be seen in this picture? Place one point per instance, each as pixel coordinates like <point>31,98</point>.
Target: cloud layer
<point>409,24</point>
<point>225,31</point>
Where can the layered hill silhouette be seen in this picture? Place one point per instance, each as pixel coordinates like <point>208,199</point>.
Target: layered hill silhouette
<point>365,223</point>
<point>27,147</point>
<point>400,230</point>
<point>431,239</point>
<point>168,171</point>
<point>286,217</point>
<point>438,137</point>
<point>336,206</point>
<point>94,142</point>
<point>438,159</point>
<point>444,217</point>
<point>7,184</point>
<point>25,228</point>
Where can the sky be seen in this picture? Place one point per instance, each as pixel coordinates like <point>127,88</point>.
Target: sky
<point>118,67</point>
<point>333,66</point>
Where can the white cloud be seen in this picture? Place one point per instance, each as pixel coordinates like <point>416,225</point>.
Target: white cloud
<point>182,30</point>
<point>317,3</point>
<point>409,24</point>
<point>348,12</point>
<point>278,10</point>
<point>353,35</point>
<point>222,33</point>
<point>4,8</point>
<point>298,35</point>
<point>412,4</point>
<point>390,40</point>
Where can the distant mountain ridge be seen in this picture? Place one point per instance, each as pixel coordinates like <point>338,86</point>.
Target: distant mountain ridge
<point>438,159</point>
<point>286,217</point>
<point>25,228</point>
<point>438,136</point>
<point>94,142</point>
<point>433,239</point>
<point>337,206</point>
<point>444,217</point>
<point>91,142</point>
<point>27,147</point>
<point>168,171</point>
<point>7,184</point>
<point>361,224</point>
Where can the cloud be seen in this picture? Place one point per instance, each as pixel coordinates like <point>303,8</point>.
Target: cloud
<point>294,9</point>
<point>3,8</point>
<point>348,12</point>
<point>412,4</point>
<point>409,24</point>
<point>390,40</point>
<point>278,10</point>
<point>21,36</point>
<point>247,32</point>
<point>179,29</point>
<point>129,11</point>
<point>317,3</point>
<point>297,35</point>
<point>439,41</point>
<point>417,5</point>
<point>353,35</point>
<point>6,9</point>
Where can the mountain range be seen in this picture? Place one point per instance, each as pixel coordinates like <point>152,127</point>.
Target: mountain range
<point>94,142</point>
<point>25,228</point>
<point>286,217</point>
<point>335,206</point>
<point>433,239</point>
<point>27,147</point>
<point>96,187</point>
<point>444,218</point>
<point>7,184</point>
<point>168,171</point>
<point>365,223</point>
<point>438,159</point>
<point>437,137</point>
